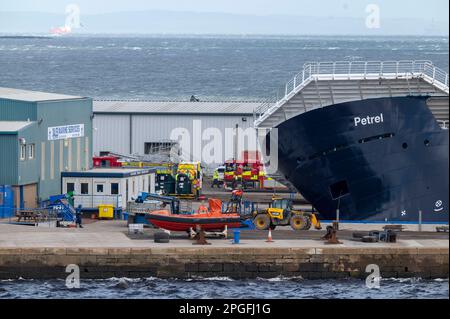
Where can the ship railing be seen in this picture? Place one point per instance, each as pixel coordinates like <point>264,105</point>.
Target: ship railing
<point>352,70</point>
<point>134,208</point>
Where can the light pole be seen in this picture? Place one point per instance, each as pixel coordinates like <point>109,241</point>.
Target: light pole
<point>338,212</point>
<point>236,142</point>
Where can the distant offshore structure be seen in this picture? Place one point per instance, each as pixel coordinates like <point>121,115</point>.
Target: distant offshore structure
<point>61,30</point>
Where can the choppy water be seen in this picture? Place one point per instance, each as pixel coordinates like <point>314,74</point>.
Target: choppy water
<point>152,67</point>
<point>225,288</point>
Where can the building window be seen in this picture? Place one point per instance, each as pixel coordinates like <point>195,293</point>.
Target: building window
<point>84,188</point>
<point>158,147</point>
<point>70,187</point>
<point>99,188</point>
<point>114,188</point>
<point>23,152</point>
<point>31,151</point>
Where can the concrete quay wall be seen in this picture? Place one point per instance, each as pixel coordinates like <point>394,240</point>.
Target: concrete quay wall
<point>234,262</point>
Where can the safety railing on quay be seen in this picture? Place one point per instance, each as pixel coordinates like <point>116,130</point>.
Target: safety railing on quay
<point>35,215</point>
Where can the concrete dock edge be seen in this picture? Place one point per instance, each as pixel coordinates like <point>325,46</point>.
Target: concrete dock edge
<point>235,262</point>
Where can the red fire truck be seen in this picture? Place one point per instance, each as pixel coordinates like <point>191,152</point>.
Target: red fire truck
<point>247,172</point>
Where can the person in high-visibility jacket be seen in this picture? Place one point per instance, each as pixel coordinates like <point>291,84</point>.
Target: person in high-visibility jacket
<point>215,179</point>
<point>235,182</point>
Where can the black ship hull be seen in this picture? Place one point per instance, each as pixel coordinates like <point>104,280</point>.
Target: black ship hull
<point>380,159</point>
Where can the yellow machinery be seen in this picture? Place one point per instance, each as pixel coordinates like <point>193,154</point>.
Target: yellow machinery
<point>281,213</point>
<point>132,164</point>
<point>161,168</point>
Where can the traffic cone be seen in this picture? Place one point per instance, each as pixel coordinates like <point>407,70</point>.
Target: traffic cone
<point>269,237</point>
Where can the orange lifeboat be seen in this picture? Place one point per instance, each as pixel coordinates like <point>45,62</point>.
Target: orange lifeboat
<point>209,219</point>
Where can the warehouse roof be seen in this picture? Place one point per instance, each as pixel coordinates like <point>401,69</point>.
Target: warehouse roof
<point>33,96</point>
<point>13,126</point>
<point>159,107</point>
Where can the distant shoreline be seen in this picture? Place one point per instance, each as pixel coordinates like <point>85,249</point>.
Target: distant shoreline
<point>212,35</point>
<point>24,37</point>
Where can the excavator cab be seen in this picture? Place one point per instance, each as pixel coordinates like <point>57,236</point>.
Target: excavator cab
<point>280,208</point>
<point>281,203</point>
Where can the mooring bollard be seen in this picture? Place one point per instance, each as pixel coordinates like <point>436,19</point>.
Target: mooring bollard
<point>336,225</point>
<point>331,236</point>
<point>200,236</point>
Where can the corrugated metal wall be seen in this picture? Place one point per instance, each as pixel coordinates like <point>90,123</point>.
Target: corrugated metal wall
<point>17,110</point>
<point>112,132</point>
<point>9,153</point>
<point>152,128</point>
<point>29,168</point>
<point>73,154</point>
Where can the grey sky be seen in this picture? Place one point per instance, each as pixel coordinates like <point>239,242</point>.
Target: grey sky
<point>436,9</point>
<point>288,17</point>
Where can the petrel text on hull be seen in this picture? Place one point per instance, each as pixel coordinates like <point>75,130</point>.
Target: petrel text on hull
<point>367,138</point>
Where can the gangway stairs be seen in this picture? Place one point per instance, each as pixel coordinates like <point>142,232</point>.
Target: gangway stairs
<point>61,206</point>
<point>322,84</point>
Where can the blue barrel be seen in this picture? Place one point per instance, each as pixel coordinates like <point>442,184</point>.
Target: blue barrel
<point>236,236</point>
<point>6,201</point>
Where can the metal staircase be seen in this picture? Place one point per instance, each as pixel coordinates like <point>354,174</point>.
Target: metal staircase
<point>61,206</point>
<point>67,211</point>
<point>327,83</point>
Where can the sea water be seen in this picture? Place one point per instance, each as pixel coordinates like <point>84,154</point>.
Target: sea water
<point>174,68</point>
<point>226,288</point>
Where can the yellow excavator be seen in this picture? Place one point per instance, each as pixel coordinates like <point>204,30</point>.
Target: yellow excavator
<point>281,213</point>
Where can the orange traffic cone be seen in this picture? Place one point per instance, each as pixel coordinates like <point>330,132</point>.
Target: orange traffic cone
<point>269,237</point>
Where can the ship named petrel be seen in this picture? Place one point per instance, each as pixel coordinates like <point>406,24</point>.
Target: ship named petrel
<point>369,140</point>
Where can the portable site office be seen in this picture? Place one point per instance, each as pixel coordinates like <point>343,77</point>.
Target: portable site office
<point>103,186</point>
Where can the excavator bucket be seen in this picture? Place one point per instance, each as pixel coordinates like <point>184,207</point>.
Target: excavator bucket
<point>315,221</point>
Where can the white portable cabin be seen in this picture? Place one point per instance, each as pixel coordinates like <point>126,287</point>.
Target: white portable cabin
<point>102,186</point>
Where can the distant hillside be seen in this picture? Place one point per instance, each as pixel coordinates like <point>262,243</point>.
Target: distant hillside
<point>168,22</point>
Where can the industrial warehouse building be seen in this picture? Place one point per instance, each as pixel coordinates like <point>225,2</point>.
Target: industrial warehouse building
<point>139,127</point>
<point>42,135</point>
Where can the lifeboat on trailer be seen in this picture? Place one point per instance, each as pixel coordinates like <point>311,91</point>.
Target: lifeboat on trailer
<point>207,218</point>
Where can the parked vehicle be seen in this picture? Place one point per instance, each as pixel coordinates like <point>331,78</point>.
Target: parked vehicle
<point>189,179</point>
<point>281,213</point>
